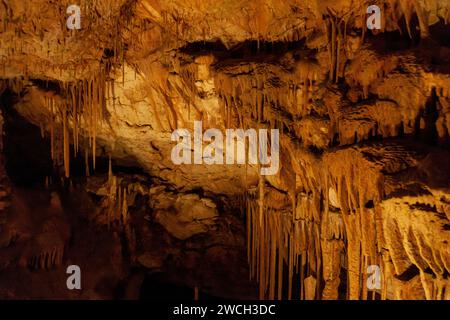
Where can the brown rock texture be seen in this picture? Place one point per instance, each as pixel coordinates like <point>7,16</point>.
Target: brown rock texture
<point>364,120</point>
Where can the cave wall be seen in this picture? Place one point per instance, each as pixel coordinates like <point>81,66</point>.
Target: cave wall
<point>364,119</point>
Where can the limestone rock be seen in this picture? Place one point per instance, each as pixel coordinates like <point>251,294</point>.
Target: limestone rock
<point>188,216</point>
<point>364,122</point>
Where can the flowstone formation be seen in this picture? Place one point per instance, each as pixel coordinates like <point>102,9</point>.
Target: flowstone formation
<point>363,115</point>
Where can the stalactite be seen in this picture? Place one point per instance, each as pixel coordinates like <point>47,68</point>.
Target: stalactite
<point>52,130</point>
<point>94,130</point>
<point>116,200</point>
<point>249,224</point>
<point>124,207</point>
<point>333,50</point>
<point>75,120</point>
<point>79,111</point>
<point>280,268</point>
<point>86,162</point>
<point>66,142</point>
<point>273,257</point>
<point>338,50</point>
<point>261,216</point>
<point>52,257</point>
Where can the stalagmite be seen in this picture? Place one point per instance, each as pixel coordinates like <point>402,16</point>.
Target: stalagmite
<point>310,288</point>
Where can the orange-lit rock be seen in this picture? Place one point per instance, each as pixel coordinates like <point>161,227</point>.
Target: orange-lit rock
<point>364,120</point>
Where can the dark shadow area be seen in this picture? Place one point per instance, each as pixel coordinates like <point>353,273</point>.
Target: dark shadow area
<point>157,287</point>
<point>27,155</point>
<point>430,115</point>
<point>251,50</point>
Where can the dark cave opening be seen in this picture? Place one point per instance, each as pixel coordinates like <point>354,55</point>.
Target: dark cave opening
<point>430,116</point>
<point>157,287</point>
<point>35,176</point>
<point>27,155</point>
<point>34,181</point>
<point>27,152</point>
<point>251,50</point>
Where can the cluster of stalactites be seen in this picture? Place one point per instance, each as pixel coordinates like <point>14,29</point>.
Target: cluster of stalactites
<point>427,12</point>
<point>336,28</point>
<point>117,205</point>
<point>270,97</point>
<point>102,23</point>
<point>326,231</point>
<point>358,190</point>
<point>47,259</point>
<point>167,88</point>
<point>283,240</point>
<point>81,108</point>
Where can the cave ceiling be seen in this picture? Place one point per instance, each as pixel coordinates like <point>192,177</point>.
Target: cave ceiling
<point>364,134</point>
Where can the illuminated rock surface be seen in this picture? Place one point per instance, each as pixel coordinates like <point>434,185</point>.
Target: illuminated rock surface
<point>364,120</point>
